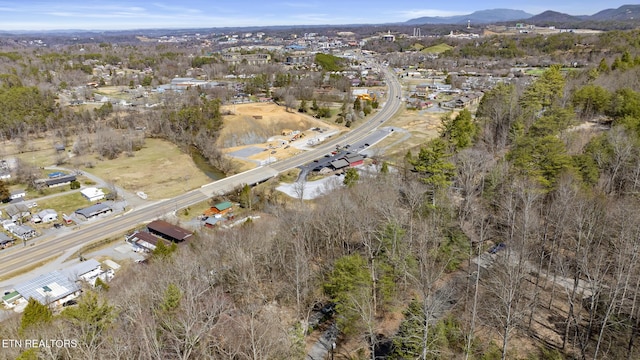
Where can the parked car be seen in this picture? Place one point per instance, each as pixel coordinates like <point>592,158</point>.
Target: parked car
<point>497,247</point>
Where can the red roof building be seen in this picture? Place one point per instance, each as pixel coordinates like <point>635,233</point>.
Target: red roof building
<point>169,231</point>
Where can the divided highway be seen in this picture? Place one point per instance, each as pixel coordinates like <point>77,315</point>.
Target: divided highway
<point>14,261</point>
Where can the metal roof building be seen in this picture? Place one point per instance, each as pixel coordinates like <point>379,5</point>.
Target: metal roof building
<point>94,210</point>
<point>62,180</point>
<point>168,231</point>
<point>76,271</point>
<point>53,287</point>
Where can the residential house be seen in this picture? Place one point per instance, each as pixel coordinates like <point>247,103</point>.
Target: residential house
<point>422,90</point>
<point>249,59</point>
<point>223,207</point>
<point>8,224</point>
<point>5,175</point>
<point>24,232</point>
<point>88,271</point>
<point>17,194</point>
<point>6,241</point>
<point>92,193</point>
<point>17,211</point>
<point>45,216</point>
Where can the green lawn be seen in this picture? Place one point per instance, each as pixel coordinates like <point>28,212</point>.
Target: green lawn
<point>64,204</point>
<point>437,49</point>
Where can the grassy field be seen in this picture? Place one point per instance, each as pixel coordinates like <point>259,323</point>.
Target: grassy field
<point>39,152</point>
<point>437,49</point>
<point>64,204</point>
<point>540,71</point>
<point>159,169</point>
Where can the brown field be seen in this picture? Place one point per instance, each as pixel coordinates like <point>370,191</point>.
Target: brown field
<point>253,124</point>
<point>161,170</point>
<point>422,127</point>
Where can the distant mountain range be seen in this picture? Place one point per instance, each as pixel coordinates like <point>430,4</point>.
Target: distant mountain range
<point>478,17</point>
<point>623,13</point>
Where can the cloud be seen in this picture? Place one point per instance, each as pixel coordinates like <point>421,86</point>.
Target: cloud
<point>300,5</point>
<point>178,9</point>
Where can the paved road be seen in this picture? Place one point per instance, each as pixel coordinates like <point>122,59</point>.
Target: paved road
<point>103,228</point>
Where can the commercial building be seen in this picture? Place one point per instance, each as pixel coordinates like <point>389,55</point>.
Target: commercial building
<point>169,231</point>
<point>92,193</point>
<point>94,211</point>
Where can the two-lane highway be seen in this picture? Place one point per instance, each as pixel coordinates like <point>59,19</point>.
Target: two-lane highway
<point>103,228</point>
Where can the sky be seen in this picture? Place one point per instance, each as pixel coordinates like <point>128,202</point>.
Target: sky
<point>184,14</point>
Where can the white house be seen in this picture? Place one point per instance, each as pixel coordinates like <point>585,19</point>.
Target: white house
<point>24,232</point>
<point>92,194</point>
<point>17,194</point>
<point>45,216</point>
<point>8,224</point>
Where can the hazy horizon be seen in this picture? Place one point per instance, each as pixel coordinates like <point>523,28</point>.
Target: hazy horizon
<point>136,14</point>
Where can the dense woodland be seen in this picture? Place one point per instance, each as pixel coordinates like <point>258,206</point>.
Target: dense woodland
<point>549,167</point>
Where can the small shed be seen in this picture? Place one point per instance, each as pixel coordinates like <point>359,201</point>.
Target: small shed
<point>11,299</point>
<point>212,221</point>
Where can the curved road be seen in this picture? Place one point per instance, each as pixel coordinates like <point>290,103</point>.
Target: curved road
<point>15,261</point>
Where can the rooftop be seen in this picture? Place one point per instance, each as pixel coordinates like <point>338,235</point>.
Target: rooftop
<point>169,230</point>
<point>223,205</point>
<point>93,210</point>
<point>48,288</point>
<point>81,268</point>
